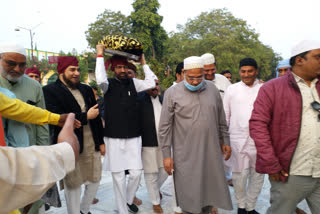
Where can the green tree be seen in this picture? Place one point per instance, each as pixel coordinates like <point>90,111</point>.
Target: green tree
<point>42,65</point>
<point>146,27</point>
<point>107,23</point>
<point>230,39</point>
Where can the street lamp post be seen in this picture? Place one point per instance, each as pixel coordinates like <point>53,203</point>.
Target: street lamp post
<point>31,35</point>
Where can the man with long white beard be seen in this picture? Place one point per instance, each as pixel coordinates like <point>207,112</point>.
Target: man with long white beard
<point>13,64</point>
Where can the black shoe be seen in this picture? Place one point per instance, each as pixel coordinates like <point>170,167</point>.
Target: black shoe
<point>132,208</point>
<point>253,212</point>
<point>242,211</point>
<point>46,207</point>
<point>83,213</point>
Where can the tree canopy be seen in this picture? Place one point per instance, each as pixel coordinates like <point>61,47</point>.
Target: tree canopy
<point>146,27</point>
<point>107,23</point>
<point>228,38</point>
<point>217,31</point>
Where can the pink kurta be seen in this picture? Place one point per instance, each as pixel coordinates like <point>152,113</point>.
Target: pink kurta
<point>238,105</point>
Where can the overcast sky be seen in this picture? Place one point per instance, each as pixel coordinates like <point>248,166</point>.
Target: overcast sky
<point>280,23</point>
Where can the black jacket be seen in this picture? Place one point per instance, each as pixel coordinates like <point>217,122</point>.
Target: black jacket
<point>60,100</point>
<point>121,110</point>
<point>149,132</point>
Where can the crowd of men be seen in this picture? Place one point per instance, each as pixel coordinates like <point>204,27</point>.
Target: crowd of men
<point>204,132</point>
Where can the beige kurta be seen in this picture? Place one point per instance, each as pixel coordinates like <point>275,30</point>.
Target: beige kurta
<point>152,159</point>
<point>27,173</point>
<point>192,123</point>
<point>88,168</point>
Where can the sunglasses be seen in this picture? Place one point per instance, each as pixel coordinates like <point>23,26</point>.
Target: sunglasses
<point>13,64</point>
<point>316,106</point>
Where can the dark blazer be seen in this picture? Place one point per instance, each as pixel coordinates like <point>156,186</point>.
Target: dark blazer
<point>149,133</point>
<point>60,100</point>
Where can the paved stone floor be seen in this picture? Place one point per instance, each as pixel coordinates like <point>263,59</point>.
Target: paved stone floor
<point>106,203</point>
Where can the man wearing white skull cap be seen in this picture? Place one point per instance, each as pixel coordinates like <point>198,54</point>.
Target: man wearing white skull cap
<point>12,77</point>
<point>192,119</point>
<point>221,82</point>
<point>285,126</point>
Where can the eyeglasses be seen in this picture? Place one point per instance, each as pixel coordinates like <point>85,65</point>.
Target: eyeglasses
<point>316,106</point>
<point>284,69</point>
<point>195,78</point>
<point>13,64</point>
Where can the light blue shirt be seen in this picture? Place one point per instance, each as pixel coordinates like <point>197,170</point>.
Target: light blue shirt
<point>15,132</point>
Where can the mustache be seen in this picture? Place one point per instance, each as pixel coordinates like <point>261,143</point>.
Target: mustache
<point>13,72</point>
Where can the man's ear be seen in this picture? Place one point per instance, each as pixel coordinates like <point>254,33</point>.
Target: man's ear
<point>299,60</point>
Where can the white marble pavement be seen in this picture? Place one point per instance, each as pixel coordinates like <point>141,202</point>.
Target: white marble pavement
<point>106,200</point>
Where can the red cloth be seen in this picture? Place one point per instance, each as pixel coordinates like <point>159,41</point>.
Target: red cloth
<point>114,61</point>
<point>32,70</point>
<point>2,141</point>
<point>275,124</point>
<point>63,62</point>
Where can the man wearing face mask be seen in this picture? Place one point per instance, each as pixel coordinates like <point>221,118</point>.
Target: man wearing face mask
<point>192,119</point>
<point>122,132</point>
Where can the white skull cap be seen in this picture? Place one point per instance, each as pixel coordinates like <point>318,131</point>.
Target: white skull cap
<point>12,47</point>
<point>304,46</point>
<point>208,59</point>
<point>192,62</point>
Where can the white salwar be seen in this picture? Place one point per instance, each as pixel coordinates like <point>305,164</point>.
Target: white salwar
<point>73,196</point>
<point>238,105</point>
<point>124,154</point>
<point>154,181</point>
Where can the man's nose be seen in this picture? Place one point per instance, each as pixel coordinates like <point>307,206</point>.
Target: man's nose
<point>195,82</point>
<point>17,68</point>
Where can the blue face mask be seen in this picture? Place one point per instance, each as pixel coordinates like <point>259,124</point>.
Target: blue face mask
<point>191,87</point>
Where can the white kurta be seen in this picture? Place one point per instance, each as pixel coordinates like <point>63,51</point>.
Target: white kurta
<point>238,105</point>
<point>222,83</point>
<point>123,154</point>
<point>27,173</point>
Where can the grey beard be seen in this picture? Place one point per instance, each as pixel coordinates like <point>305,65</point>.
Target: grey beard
<point>7,76</point>
<point>12,79</point>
